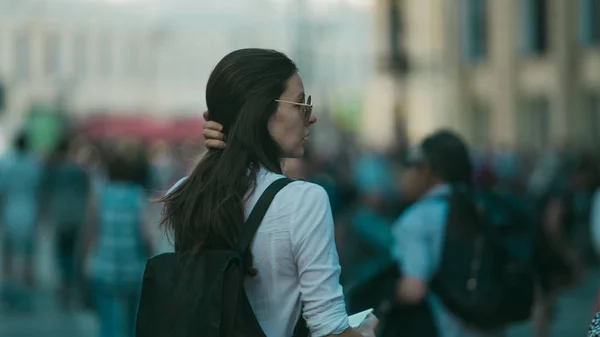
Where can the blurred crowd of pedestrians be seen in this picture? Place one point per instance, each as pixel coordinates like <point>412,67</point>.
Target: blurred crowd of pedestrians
<point>95,198</point>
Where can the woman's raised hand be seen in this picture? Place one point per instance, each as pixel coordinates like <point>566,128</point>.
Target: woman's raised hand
<point>213,135</point>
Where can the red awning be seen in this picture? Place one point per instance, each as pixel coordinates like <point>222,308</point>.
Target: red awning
<point>143,128</point>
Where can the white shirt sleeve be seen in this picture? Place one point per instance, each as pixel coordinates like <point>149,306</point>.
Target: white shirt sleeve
<point>313,247</point>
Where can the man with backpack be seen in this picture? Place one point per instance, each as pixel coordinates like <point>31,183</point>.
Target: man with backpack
<point>450,258</point>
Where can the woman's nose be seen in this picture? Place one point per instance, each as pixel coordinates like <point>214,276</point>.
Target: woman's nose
<point>312,120</point>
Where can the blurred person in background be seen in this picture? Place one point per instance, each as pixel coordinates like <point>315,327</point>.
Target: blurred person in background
<point>558,262</point>
<point>595,222</point>
<point>20,194</point>
<point>326,173</point>
<point>506,163</point>
<point>369,237</point>
<point>583,184</point>
<point>117,244</point>
<point>67,190</point>
<point>438,165</point>
<point>595,238</point>
<point>544,171</point>
<point>162,166</point>
<point>134,150</point>
<point>91,157</point>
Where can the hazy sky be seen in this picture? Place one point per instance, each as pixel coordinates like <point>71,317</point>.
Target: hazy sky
<point>360,3</point>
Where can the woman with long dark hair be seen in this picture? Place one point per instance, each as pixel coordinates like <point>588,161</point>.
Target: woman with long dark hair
<point>258,99</point>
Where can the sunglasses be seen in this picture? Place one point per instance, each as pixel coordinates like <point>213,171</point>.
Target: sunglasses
<point>305,108</point>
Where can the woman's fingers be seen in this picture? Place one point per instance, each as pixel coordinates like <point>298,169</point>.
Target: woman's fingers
<point>212,125</point>
<point>213,134</point>
<point>215,144</point>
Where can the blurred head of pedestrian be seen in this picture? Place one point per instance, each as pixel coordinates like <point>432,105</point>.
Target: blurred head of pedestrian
<point>21,143</point>
<point>159,151</point>
<point>442,157</point>
<point>121,167</point>
<point>373,179</point>
<point>64,149</point>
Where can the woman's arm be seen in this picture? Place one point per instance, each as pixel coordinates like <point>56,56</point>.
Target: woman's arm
<point>367,329</point>
<point>315,254</point>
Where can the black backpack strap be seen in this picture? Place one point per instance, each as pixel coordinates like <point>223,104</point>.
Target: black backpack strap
<point>250,228</point>
<point>247,318</point>
<point>258,213</point>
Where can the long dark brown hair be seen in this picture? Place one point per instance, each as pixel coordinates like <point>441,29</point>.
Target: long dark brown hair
<point>207,210</point>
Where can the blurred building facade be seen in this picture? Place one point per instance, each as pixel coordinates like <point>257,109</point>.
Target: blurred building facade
<point>502,72</point>
<point>84,58</point>
<point>154,57</point>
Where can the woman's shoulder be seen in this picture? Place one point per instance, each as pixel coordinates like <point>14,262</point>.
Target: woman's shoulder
<point>299,196</point>
<point>305,191</point>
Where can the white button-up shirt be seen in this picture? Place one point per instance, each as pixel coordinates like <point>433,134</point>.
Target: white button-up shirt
<point>298,266</point>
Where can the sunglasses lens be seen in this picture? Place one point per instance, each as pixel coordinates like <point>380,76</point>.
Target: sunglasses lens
<point>308,109</point>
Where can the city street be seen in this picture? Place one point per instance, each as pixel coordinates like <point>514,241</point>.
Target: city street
<point>47,320</point>
<point>572,318</point>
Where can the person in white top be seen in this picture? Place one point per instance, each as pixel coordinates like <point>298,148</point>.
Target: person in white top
<point>257,102</point>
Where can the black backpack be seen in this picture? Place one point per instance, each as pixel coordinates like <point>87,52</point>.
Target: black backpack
<point>203,295</point>
<point>484,277</point>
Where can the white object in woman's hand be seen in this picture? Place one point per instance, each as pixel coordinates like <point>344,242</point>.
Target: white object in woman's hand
<point>357,319</point>
<point>369,326</point>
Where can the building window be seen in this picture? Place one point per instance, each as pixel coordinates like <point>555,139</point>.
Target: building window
<point>22,57</point>
<point>80,56</point>
<point>589,27</point>
<point>591,118</point>
<point>52,66</point>
<point>473,29</point>
<point>534,26</point>
<point>480,121</point>
<point>533,123</point>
